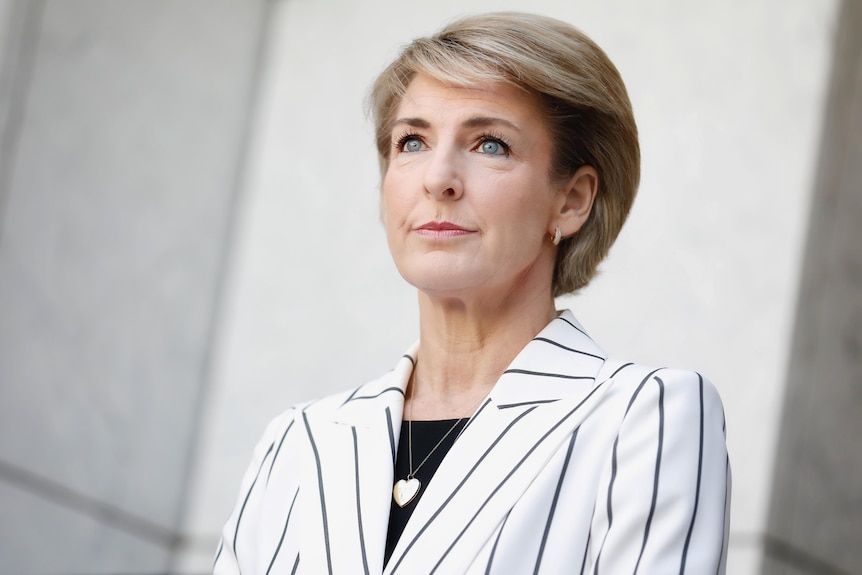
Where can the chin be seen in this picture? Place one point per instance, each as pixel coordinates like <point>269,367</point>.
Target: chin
<point>439,275</point>
<point>438,284</point>
<point>438,288</point>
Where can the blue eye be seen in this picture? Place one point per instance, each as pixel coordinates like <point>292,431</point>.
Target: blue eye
<point>411,144</point>
<point>492,147</point>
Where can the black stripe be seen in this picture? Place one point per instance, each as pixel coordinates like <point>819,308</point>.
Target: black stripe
<point>457,488</point>
<point>358,505</point>
<point>275,455</point>
<point>554,501</point>
<point>245,501</point>
<point>724,521</point>
<point>475,415</point>
<point>350,397</point>
<point>573,325</point>
<point>589,538</point>
<point>608,503</point>
<point>218,552</point>
<point>391,434</point>
<point>320,488</point>
<point>697,490</point>
<point>521,404</point>
<point>614,469</point>
<point>657,470</point>
<point>512,471</point>
<point>283,531</point>
<point>544,374</point>
<point>295,564</point>
<point>398,389</point>
<point>552,342</point>
<point>620,368</point>
<point>497,542</point>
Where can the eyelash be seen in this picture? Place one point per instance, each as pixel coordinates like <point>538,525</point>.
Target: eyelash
<point>399,143</point>
<point>484,137</point>
<point>495,137</point>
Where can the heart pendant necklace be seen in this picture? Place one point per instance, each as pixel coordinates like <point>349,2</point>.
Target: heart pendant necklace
<point>405,490</point>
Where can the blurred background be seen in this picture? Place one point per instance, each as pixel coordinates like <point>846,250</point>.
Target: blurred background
<point>190,243</point>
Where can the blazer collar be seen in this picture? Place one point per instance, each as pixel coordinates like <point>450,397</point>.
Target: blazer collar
<point>350,469</point>
<point>362,408</point>
<point>545,393</point>
<point>560,361</point>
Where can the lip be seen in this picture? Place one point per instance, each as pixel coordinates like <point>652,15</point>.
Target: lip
<point>442,230</point>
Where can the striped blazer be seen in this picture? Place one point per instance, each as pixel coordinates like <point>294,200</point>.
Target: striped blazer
<point>574,463</point>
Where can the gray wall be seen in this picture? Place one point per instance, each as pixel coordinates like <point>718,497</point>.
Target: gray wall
<point>123,138</point>
<point>815,524</point>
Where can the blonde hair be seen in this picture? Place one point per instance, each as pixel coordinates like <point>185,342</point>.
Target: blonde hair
<point>583,97</point>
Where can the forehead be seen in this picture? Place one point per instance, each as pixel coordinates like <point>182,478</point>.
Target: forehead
<point>432,100</point>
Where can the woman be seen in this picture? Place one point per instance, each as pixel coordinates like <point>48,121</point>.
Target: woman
<point>505,440</point>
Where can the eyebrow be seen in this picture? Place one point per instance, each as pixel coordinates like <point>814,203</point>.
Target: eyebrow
<point>482,122</point>
<point>475,122</point>
<point>412,122</point>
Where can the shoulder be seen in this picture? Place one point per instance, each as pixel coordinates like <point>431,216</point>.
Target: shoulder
<point>666,472</point>
<point>682,385</point>
<point>644,401</point>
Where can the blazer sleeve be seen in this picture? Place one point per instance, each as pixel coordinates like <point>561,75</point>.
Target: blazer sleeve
<point>664,500</point>
<point>237,551</point>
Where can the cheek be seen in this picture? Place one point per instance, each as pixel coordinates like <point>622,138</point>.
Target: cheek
<point>392,207</point>
<point>519,209</point>
<point>390,187</point>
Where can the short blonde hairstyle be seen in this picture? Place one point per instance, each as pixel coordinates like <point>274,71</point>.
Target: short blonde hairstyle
<point>584,100</point>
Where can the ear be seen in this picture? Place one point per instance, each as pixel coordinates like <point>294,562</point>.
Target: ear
<point>576,201</point>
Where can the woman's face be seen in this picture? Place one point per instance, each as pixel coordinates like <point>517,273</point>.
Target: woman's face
<point>468,204</point>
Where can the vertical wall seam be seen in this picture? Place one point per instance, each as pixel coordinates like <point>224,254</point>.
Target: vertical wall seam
<point>829,189</point>
<point>24,29</point>
<point>233,217</point>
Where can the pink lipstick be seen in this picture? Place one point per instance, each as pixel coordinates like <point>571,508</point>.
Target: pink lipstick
<point>442,230</point>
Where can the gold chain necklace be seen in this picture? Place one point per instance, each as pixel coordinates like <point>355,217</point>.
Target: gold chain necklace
<point>405,490</point>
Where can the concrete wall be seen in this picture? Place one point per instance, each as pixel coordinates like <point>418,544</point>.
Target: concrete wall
<point>122,147</point>
<point>815,524</point>
<point>189,228</point>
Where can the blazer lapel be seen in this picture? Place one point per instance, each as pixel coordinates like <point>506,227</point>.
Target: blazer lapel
<point>544,395</point>
<point>351,463</point>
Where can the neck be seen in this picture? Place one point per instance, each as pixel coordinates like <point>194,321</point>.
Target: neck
<point>464,348</point>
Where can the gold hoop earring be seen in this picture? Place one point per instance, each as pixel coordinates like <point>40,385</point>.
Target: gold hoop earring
<point>557,235</point>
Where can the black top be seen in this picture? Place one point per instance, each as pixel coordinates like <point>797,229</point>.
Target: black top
<point>426,434</point>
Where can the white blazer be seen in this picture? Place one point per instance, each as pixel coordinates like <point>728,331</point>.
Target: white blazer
<point>573,464</point>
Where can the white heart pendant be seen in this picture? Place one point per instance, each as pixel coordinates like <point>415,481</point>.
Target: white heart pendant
<point>405,490</point>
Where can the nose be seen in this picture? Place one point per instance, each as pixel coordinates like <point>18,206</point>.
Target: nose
<point>442,178</point>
